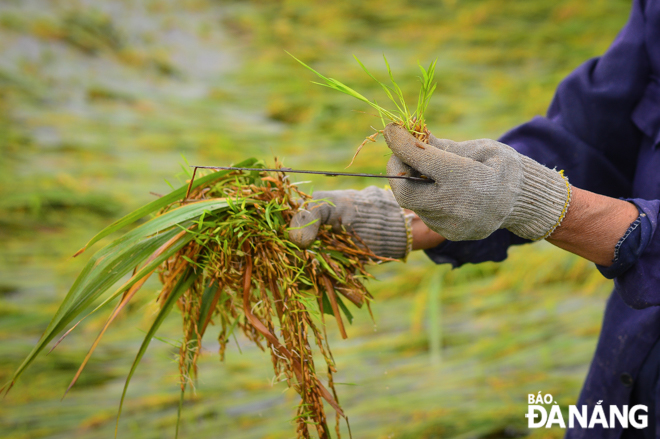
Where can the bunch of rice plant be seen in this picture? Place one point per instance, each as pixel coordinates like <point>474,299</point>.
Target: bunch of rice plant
<point>413,120</point>
<point>220,248</point>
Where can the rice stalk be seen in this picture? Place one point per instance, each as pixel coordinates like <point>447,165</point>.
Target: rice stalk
<point>413,121</point>
<point>251,278</point>
<point>224,259</point>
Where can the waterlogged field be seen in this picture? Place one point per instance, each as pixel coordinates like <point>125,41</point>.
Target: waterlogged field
<point>101,101</point>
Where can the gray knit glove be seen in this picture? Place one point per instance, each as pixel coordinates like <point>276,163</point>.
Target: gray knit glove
<point>373,214</point>
<point>480,186</point>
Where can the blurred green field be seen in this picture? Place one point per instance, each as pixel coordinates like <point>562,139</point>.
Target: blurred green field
<point>101,101</point>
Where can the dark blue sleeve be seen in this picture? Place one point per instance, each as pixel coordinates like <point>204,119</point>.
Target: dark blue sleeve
<point>494,248</point>
<point>588,132</point>
<point>635,268</point>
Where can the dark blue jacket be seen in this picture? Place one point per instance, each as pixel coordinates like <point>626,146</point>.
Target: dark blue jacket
<point>603,130</point>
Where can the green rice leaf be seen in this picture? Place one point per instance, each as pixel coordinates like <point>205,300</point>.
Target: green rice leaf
<point>112,263</point>
<point>75,305</point>
<point>384,87</point>
<point>115,260</point>
<point>148,268</point>
<point>405,113</point>
<point>414,122</point>
<point>329,269</point>
<point>327,307</point>
<point>344,309</point>
<point>158,204</point>
<point>336,85</point>
<point>184,283</point>
<point>207,300</point>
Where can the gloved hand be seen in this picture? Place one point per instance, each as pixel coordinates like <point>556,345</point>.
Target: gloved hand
<point>373,214</point>
<point>480,186</point>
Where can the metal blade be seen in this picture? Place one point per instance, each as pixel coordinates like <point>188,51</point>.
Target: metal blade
<point>326,173</point>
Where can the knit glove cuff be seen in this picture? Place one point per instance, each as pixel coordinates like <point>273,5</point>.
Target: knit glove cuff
<point>478,186</point>
<point>372,214</point>
<point>541,206</point>
<point>380,223</point>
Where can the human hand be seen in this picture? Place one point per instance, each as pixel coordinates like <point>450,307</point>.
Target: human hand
<point>373,214</point>
<point>479,186</point>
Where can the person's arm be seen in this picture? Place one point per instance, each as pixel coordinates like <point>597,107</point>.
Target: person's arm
<point>593,226</point>
<point>588,132</point>
<point>423,238</point>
